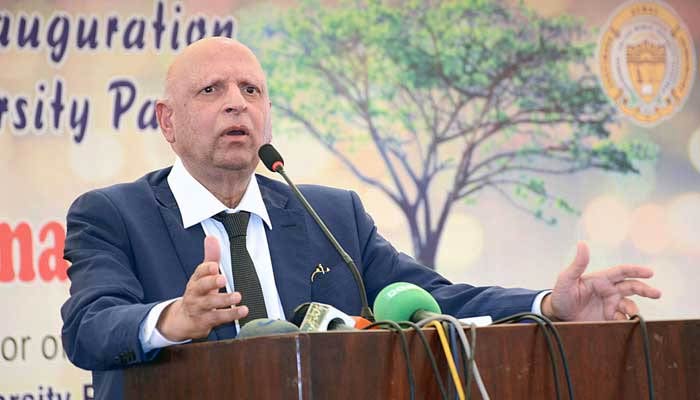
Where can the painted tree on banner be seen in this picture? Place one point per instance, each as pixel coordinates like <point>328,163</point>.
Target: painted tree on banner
<point>474,94</point>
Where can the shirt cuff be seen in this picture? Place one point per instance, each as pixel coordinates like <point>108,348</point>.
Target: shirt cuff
<point>537,303</point>
<point>149,336</point>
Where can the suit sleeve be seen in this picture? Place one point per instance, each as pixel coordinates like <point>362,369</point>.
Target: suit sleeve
<point>101,319</point>
<point>383,265</point>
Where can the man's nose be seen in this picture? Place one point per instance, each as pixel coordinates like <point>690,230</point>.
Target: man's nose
<point>236,103</point>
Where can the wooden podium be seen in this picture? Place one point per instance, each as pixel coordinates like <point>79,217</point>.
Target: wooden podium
<point>606,361</point>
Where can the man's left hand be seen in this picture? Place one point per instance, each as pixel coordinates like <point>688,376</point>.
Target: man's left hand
<point>596,296</point>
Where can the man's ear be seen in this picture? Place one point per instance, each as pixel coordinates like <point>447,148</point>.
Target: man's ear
<point>164,113</point>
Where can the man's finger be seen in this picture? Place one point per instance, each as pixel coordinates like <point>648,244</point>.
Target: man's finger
<point>627,306</point>
<point>632,286</point>
<point>205,284</point>
<point>234,313</point>
<point>220,300</point>
<point>619,316</point>
<point>622,272</point>
<point>204,269</point>
<point>578,266</point>
<point>212,250</point>
<point>226,315</point>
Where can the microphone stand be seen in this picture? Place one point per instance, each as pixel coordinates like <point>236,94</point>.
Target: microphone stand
<point>366,311</point>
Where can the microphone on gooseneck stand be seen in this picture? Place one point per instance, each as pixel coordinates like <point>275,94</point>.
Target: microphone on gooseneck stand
<point>402,301</point>
<point>319,317</point>
<point>273,161</point>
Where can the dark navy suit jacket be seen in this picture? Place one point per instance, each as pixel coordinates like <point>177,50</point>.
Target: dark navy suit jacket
<point>129,251</point>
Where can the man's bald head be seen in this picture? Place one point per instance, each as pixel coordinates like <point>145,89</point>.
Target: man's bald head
<point>216,111</point>
<point>193,57</point>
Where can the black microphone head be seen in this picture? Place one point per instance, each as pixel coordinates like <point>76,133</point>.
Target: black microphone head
<point>266,326</point>
<point>337,324</point>
<point>270,157</point>
<point>299,313</point>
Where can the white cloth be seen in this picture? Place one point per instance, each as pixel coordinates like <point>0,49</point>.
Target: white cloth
<point>537,303</point>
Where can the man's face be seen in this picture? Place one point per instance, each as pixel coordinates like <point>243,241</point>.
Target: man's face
<point>218,107</point>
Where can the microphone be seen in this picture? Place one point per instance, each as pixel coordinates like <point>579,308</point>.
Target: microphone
<point>266,327</point>
<point>361,323</point>
<point>273,161</point>
<point>403,301</point>
<point>319,317</point>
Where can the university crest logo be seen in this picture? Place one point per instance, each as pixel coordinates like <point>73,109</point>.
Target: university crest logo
<point>646,61</point>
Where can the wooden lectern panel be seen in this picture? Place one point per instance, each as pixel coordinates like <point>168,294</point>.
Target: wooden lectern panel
<point>606,361</point>
<point>259,368</point>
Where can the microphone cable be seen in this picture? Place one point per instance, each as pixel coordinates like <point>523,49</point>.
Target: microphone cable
<point>431,356</point>
<point>449,357</point>
<point>472,330</point>
<point>404,348</point>
<point>457,351</point>
<point>545,323</point>
<point>466,360</point>
<point>465,345</point>
<point>647,353</point>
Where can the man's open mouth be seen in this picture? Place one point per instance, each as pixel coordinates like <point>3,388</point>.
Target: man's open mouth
<point>237,132</point>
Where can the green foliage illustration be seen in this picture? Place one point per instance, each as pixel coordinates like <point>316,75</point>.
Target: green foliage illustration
<point>472,94</point>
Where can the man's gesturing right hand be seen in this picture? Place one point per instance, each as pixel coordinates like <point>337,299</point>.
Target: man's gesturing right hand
<point>202,307</point>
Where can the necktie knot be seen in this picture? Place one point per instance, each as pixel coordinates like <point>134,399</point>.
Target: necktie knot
<point>235,224</point>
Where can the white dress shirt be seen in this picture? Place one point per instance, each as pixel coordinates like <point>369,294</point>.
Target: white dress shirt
<point>197,206</point>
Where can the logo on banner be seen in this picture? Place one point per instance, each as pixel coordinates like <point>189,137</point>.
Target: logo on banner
<point>647,61</point>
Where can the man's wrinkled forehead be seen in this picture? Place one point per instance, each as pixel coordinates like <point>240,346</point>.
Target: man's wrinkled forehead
<point>212,59</point>
<point>208,72</point>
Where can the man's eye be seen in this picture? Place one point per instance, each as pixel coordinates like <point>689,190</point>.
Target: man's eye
<point>251,89</point>
<point>208,89</point>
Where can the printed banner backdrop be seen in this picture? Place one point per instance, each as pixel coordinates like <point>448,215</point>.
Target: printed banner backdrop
<point>485,139</point>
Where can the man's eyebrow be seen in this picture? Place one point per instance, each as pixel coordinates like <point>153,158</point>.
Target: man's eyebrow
<point>252,80</point>
<point>255,81</point>
<point>198,83</point>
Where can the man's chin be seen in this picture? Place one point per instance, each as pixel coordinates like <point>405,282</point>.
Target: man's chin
<point>238,166</point>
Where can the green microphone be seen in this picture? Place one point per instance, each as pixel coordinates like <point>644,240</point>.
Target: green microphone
<point>403,301</point>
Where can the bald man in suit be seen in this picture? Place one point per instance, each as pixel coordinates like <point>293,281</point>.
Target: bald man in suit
<point>148,270</point>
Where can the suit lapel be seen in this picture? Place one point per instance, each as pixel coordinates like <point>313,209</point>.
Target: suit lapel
<point>188,244</point>
<point>289,248</point>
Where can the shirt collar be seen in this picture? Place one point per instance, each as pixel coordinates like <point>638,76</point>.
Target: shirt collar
<point>196,203</point>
